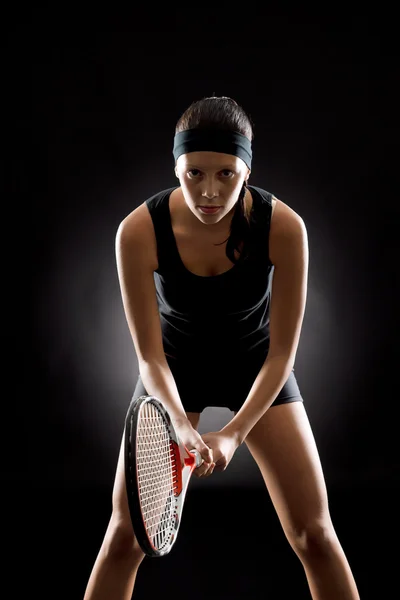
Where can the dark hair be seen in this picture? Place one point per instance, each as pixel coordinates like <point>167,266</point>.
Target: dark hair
<point>224,113</point>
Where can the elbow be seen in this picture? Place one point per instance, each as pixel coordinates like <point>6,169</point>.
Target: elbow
<point>285,359</point>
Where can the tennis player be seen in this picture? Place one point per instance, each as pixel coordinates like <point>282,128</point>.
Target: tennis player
<point>213,277</point>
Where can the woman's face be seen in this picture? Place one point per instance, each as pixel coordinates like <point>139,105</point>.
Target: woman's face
<point>211,179</point>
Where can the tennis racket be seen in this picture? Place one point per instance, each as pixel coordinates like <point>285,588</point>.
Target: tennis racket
<point>158,467</point>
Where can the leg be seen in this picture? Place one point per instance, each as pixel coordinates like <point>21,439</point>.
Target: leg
<point>283,446</point>
<point>114,572</point>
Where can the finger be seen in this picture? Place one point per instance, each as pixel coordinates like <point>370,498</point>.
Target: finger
<point>206,454</point>
<point>202,470</point>
<point>208,471</point>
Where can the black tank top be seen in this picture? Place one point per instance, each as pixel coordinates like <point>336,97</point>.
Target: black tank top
<point>222,318</point>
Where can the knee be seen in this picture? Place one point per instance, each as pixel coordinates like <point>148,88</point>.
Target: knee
<point>120,541</point>
<point>313,540</point>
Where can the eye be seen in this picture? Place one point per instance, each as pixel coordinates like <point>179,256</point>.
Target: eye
<point>196,171</point>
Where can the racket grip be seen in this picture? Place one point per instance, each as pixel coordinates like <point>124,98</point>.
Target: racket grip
<point>199,460</point>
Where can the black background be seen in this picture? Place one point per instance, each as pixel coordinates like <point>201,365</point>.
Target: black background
<point>92,102</point>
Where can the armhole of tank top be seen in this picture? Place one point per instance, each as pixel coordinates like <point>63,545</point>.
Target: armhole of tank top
<point>266,197</point>
<point>273,204</point>
<point>147,202</point>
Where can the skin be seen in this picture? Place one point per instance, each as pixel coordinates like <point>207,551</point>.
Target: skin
<point>211,179</point>
<point>281,440</point>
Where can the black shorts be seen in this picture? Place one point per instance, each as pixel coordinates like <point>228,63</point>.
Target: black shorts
<point>226,388</point>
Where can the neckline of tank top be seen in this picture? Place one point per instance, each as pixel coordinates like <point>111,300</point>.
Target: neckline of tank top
<point>234,267</point>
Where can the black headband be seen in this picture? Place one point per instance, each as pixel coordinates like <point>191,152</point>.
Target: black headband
<point>213,140</point>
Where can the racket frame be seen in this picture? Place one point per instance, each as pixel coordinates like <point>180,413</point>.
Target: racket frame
<point>186,461</point>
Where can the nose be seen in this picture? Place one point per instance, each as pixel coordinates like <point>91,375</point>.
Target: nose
<point>209,195</point>
<point>210,188</point>
<point>210,191</point>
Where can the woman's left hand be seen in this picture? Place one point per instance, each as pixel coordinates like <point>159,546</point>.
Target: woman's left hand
<point>223,446</point>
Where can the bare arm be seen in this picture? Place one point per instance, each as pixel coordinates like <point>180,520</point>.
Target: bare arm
<point>136,278</point>
<point>289,254</point>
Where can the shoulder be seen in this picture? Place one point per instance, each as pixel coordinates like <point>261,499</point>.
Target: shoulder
<point>136,233</point>
<point>288,231</point>
<point>139,221</point>
<point>136,223</point>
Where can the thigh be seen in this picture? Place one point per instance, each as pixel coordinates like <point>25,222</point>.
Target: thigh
<point>119,496</point>
<point>284,448</point>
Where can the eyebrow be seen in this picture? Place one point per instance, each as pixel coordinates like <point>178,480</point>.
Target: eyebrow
<point>231,167</point>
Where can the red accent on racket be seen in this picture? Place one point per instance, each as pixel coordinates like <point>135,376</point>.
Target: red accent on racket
<point>158,467</point>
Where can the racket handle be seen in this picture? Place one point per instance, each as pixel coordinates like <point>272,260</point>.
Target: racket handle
<point>199,460</point>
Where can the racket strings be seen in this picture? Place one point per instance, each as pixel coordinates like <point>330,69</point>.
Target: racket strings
<point>156,471</point>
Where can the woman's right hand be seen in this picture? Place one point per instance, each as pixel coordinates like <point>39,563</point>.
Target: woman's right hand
<point>191,438</point>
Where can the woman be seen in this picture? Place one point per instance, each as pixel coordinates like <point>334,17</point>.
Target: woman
<point>211,327</point>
